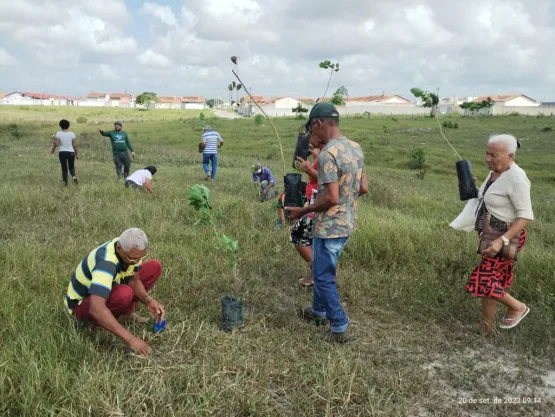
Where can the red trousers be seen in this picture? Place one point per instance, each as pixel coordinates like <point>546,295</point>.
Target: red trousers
<point>122,300</point>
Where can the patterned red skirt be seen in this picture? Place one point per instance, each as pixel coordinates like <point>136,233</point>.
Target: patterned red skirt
<point>493,275</point>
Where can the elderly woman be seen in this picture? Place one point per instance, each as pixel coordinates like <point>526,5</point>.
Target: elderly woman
<point>505,204</point>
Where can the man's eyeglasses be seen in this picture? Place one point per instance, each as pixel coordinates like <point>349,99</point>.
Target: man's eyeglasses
<point>308,128</point>
<point>136,260</point>
<point>130,259</point>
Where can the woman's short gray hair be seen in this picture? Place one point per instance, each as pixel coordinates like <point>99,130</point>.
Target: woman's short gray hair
<point>133,238</point>
<point>508,140</point>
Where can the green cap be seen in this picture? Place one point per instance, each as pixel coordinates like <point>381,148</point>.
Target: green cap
<point>323,109</point>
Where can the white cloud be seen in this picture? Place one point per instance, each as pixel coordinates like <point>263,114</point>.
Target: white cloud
<point>152,59</point>
<point>87,27</point>
<point>163,13</point>
<point>465,48</point>
<point>106,73</point>
<point>6,60</point>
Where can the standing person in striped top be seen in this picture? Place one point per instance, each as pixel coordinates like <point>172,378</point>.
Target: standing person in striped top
<point>211,141</point>
<point>110,281</point>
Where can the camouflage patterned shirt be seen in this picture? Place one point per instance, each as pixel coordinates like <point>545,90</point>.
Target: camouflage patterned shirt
<point>341,161</point>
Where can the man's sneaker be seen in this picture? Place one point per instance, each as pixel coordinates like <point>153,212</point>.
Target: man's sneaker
<point>207,176</point>
<point>340,337</point>
<point>307,315</point>
<point>75,180</point>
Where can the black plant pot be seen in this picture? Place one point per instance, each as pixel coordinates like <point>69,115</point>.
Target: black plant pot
<point>232,313</point>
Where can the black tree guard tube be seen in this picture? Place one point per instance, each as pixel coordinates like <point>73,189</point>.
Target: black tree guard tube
<point>467,187</point>
<point>293,190</point>
<point>301,150</point>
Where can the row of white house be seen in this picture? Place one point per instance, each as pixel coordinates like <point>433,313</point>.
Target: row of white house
<point>384,103</point>
<point>282,106</point>
<point>275,106</point>
<point>99,100</point>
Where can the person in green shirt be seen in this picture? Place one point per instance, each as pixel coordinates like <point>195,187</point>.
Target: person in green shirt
<point>120,145</point>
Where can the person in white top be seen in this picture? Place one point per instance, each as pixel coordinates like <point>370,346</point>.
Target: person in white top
<point>142,178</point>
<point>65,140</point>
<point>506,206</point>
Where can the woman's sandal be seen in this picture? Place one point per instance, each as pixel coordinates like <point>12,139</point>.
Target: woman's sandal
<point>513,320</point>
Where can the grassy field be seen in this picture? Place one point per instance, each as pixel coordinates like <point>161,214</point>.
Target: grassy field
<point>401,278</point>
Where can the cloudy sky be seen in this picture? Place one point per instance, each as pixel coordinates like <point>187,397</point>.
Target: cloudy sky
<point>176,47</point>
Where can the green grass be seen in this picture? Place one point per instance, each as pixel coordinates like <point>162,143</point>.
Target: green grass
<point>401,278</point>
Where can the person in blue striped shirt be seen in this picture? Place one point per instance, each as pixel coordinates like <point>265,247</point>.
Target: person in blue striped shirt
<point>211,141</point>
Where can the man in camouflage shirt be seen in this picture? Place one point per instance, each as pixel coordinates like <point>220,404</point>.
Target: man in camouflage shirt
<point>341,180</point>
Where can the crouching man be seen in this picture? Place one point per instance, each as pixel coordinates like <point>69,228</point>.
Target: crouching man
<point>109,283</point>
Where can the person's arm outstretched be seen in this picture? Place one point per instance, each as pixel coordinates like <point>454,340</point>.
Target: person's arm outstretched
<point>103,133</point>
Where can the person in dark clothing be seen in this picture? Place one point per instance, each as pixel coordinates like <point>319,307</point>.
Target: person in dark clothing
<point>68,150</point>
<point>120,146</point>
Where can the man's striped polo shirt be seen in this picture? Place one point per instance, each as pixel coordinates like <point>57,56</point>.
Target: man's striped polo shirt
<point>101,269</point>
<point>211,138</point>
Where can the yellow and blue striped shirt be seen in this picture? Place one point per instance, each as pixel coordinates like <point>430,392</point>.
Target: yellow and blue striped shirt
<point>101,269</point>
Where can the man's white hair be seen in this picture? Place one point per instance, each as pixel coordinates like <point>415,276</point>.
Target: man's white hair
<point>508,140</point>
<point>133,238</point>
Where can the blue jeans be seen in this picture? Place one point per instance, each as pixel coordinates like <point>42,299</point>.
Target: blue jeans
<point>210,157</point>
<point>326,302</point>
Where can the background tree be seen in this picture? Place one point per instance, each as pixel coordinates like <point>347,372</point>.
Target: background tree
<point>475,106</point>
<point>234,87</point>
<point>428,98</point>
<point>299,110</point>
<point>213,102</point>
<point>147,99</point>
<point>333,68</point>
<point>338,98</point>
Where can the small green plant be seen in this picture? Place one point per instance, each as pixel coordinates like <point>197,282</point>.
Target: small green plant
<point>418,158</point>
<point>333,68</point>
<point>81,119</point>
<point>202,119</point>
<point>430,100</point>
<point>240,85</point>
<point>513,113</point>
<point>13,129</point>
<point>394,119</point>
<point>421,174</point>
<point>259,120</point>
<point>384,128</point>
<point>547,129</point>
<point>198,197</point>
<point>450,125</point>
